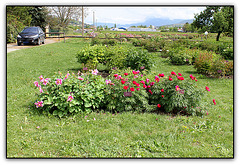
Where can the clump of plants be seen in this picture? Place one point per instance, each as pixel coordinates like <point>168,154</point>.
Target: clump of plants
<point>69,94</point>
<point>125,92</point>
<point>212,64</point>
<point>176,94</point>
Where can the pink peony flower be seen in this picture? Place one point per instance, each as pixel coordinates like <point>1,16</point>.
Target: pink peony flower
<point>180,74</point>
<point>177,88</point>
<point>108,82</point>
<point>45,81</point>
<point>58,81</point>
<point>41,78</point>
<point>161,75</point>
<point>173,73</point>
<point>70,98</point>
<point>80,78</point>
<point>66,76</point>
<point>95,72</point>
<point>36,83</point>
<point>170,79</point>
<point>125,74</point>
<point>147,80</point>
<point>39,104</point>
<point>138,89</point>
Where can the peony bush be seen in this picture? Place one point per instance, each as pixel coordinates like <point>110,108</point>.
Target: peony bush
<point>122,90</point>
<point>70,93</point>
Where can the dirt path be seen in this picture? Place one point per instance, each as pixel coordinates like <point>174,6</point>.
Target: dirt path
<point>13,46</point>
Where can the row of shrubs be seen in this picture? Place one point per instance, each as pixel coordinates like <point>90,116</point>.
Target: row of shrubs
<point>117,56</point>
<point>123,90</point>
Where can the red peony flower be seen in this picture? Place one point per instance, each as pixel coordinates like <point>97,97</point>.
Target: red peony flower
<point>138,89</point>
<point>159,106</point>
<point>143,82</point>
<point>132,89</point>
<point>150,91</point>
<point>214,101</point>
<point>125,74</point>
<point>125,87</point>
<point>149,86</point>
<point>134,82</point>
<point>157,79</point>
<point>173,73</point>
<point>123,82</point>
<point>162,90</point>
<point>180,74</point>
<point>144,86</point>
<point>207,89</point>
<point>115,75</point>
<point>170,79</point>
<point>161,75</point>
<point>138,85</point>
<point>162,96</point>
<point>180,78</point>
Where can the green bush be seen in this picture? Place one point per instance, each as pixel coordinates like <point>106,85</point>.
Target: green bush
<point>122,81</point>
<point>182,56</point>
<point>213,65</point>
<point>174,94</point>
<point>90,56</point>
<point>63,95</point>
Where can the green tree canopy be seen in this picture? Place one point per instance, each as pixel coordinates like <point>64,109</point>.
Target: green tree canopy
<point>215,19</point>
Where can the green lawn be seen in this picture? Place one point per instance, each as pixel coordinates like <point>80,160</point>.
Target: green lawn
<point>30,134</point>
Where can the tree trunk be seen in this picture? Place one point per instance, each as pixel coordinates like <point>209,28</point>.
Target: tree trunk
<point>218,36</point>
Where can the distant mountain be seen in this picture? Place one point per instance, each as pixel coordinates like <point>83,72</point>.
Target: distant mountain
<point>151,21</point>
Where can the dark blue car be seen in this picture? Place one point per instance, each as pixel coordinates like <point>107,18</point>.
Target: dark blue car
<point>31,35</point>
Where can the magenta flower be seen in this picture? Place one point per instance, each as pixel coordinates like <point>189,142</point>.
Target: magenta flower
<point>58,81</point>
<point>36,83</point>
<point>147,80</point>
<point>70,98</point>
<point>95,72</point>
<point>39,104</point>
<point>45,81</point>
<point>177,88</point>
<point>108,82</point>
<point>40,89</point>
<point>41,78</point>
<point>66,76</point>
<point>80,78</point>
<point>207,89</point>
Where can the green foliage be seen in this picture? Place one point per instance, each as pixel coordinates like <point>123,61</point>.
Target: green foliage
<point>90,56</point>
<point>70,94</point>
<point>211,64</point>
<point>178,95</point>
<point>116,101</point>
<point>181,56</point>
<point>39,16</point>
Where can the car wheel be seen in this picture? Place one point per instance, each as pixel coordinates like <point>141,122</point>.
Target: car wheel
<point>19,43</point>
<point>39,42</point>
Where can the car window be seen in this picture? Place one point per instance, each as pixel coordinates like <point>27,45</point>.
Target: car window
<point>30,30</point>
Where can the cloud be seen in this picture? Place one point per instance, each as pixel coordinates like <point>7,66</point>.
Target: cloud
<point>127,15</point>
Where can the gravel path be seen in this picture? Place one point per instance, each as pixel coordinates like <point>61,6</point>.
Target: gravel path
<point>13,46</point>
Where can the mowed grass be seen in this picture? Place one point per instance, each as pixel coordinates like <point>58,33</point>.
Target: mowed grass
<point>105,135</point>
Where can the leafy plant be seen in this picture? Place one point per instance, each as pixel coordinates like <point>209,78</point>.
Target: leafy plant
<point>63,95</point>
<point>175,94</point>
<point>121,81</point>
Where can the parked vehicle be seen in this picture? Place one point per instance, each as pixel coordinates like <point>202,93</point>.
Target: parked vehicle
<point>31,35</point>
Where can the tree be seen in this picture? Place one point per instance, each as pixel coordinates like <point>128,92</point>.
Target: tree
<point>187,27</point>
<point>65,13</point>
<point>215,19</point>
<point>17,18</point>
<point>39,16</point>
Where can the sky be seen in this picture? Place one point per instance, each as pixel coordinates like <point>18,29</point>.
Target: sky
<point>128,15</point>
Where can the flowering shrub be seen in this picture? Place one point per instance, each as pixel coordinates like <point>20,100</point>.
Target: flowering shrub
<point>125,92</point>
<point>177,94</point>
<point>63,95</point>
<point>214,65</point>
